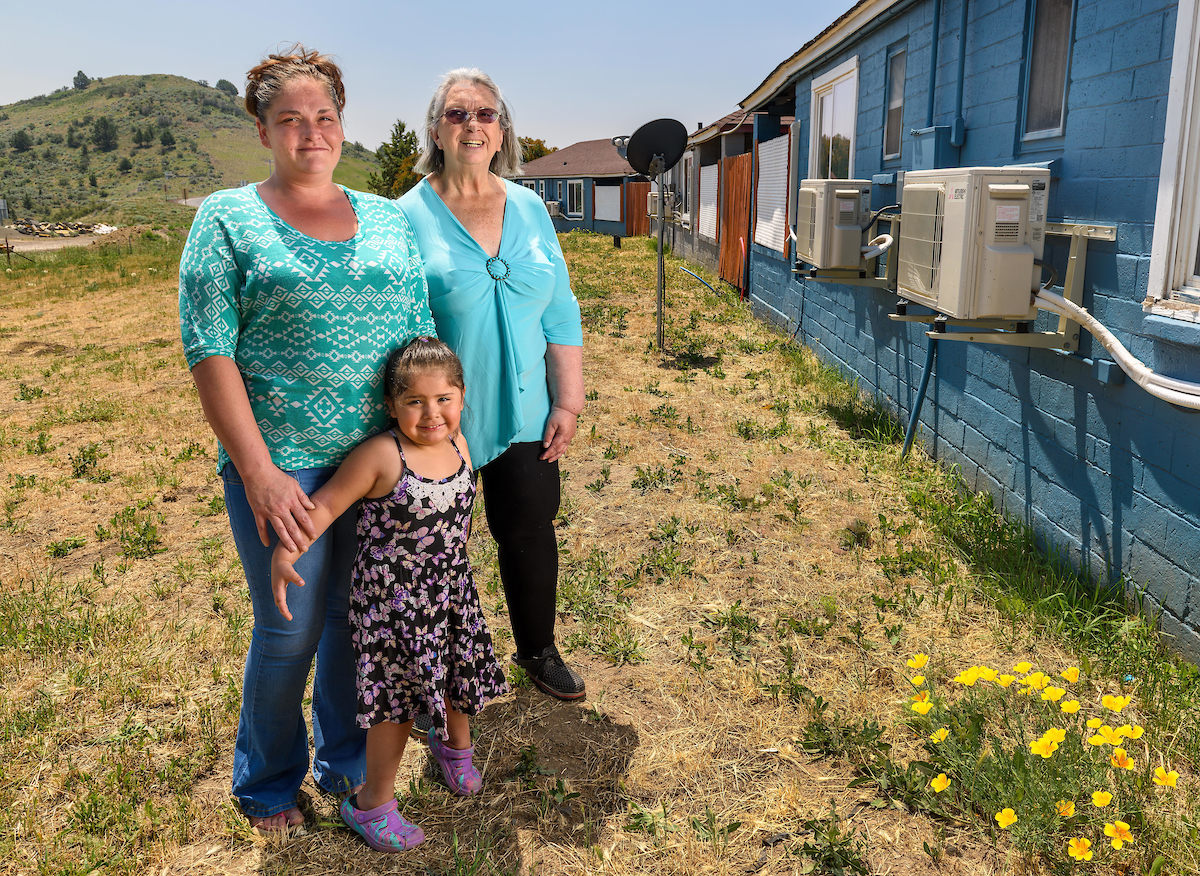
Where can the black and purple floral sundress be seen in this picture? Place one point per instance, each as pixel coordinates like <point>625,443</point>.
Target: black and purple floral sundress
<point>419,633</point>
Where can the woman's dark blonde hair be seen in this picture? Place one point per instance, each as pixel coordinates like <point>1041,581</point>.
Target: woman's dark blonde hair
<point>420,356</point>
<point>506,162</point>
<point>264,81</point>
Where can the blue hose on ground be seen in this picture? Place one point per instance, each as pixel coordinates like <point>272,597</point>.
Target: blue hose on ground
<point>920,399</point>
<point>701,279</point>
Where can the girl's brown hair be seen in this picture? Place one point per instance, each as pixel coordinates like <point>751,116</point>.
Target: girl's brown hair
<point>264,81</point>
<point>421,355</point>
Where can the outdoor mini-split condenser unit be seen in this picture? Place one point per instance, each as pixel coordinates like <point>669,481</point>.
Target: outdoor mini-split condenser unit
<point>554,208</point>
<point>652,205</point>
<point>968,238</point>
<point>829,218</point>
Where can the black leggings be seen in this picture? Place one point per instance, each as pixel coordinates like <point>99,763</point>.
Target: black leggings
<point>521,496</point>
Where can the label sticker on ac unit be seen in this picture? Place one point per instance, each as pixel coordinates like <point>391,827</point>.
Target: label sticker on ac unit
<point>1008,214</point>
<point>958,195</point>
<point>846,206</point>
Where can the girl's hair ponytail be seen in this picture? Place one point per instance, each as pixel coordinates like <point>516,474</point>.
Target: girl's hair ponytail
<point>419,356</point>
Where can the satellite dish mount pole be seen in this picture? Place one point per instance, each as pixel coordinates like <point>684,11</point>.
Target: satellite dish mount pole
<point>658,168</point>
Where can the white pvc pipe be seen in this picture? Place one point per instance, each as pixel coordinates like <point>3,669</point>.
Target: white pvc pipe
<point>1178,392</point>
<point>877,247</point>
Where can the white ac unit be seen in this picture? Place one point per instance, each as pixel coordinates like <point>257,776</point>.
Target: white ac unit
<point>554,208</point>
<point>829,217</point>
<point>652,205</point>
<point>968,238</point>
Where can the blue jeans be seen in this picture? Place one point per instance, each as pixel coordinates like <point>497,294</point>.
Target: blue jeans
<point>270,756</point>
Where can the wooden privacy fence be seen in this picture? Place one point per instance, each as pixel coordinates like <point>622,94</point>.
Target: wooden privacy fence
<point>637,223</point>
<point>736,187</point>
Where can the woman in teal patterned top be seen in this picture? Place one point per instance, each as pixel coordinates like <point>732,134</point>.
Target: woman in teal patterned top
<point>291,295</point>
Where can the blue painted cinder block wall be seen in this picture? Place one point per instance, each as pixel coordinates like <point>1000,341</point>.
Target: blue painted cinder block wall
<point>1103,471</point>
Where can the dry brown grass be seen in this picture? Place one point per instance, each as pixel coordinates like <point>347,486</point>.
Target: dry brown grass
<point>686,531</point>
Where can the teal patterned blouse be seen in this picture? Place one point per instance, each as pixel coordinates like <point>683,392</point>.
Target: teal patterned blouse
<point>309,322</point>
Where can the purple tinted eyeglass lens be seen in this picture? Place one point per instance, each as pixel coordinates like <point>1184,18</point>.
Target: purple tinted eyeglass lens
<point>484,116</point>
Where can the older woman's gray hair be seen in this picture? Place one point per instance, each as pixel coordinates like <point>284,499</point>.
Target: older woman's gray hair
<point>506,162</point>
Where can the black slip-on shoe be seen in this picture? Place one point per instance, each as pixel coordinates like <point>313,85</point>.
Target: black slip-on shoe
<point>552,674</point>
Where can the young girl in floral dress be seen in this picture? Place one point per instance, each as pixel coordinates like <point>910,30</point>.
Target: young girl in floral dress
<point>421,641</point>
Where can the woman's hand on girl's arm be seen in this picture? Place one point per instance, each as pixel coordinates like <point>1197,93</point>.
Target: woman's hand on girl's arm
<point>274,496</point>
<point>564,374</point>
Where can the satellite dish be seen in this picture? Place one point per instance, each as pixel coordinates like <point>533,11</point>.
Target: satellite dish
<point>662,137</point>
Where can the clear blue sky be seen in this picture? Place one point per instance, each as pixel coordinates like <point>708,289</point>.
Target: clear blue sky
<point>570,71</point>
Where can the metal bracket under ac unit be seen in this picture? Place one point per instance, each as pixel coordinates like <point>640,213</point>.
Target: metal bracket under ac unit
<point>1017,334</point>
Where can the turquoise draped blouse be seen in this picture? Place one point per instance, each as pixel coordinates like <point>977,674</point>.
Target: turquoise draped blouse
<point>498,314</point>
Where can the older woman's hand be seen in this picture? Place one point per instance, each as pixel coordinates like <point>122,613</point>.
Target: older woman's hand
<point>560,429</point>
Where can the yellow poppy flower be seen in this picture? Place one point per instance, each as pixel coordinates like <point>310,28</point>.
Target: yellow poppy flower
<point>917,680</point>
<point>1053,694</point>
<point>1121,759</point>
<point>1164,778</point>
<point>987,673</point>
<point>1035,680</point>
<point>1093,723</point>
<point>922,708</point>
<point>1055,733</point>
<point>1065,808</point>
<point>940,783</point>
<point>1071,674</point>
<point>968,676</point>
<point>921,696</point>
<point>1114,703</point>
<point>918,661</point>
<point>1080,849</point>
<point>1100,799</point>
<point>1105,736</point>
<point>1045,747</point>
<point>1134,731</point>
<point>1118,832</point>
<point>1006,680</point>
<point>939,735</point>
<point>1023,667</point>
<point>1006,818</point>
<point>1069,706</point>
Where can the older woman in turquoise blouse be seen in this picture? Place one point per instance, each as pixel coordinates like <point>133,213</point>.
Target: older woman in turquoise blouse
<point>502,300</point>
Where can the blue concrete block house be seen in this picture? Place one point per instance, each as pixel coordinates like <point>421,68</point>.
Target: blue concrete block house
<point>1099,101</point>
<point>586,186</point>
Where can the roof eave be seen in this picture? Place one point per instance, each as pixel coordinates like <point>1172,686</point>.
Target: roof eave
<point>844,27</point>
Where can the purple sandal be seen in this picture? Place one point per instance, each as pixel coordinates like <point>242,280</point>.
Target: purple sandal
<point>382,827</point>
<point>458,771</point>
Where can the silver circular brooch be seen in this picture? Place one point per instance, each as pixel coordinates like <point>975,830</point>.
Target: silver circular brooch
<point>498,268</point>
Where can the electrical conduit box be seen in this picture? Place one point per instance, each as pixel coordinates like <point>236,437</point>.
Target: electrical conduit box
<point>968,239</point>
<point>829,218</point>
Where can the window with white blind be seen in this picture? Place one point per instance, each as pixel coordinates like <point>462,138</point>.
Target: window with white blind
<point>708,201</point>
<point>1174,285</point>
<point>834,114</point>
<point>607,203</point>
<point>771,195</point>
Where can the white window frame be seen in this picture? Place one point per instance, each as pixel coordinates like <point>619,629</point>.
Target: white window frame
<point>1065,59</point>
<point>685,191</point>
<point>771,193</point>
<point>542,189</point>
<point>530,184</point>
<point>889,103</point>
<point>560,190</point>
<point>1174,285</point>
<point>821,86</point>
<point>574,214</point>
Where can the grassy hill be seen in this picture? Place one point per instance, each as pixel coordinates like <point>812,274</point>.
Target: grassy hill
<point>52,168</point>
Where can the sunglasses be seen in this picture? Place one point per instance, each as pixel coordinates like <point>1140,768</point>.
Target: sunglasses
<point>484,116</point>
